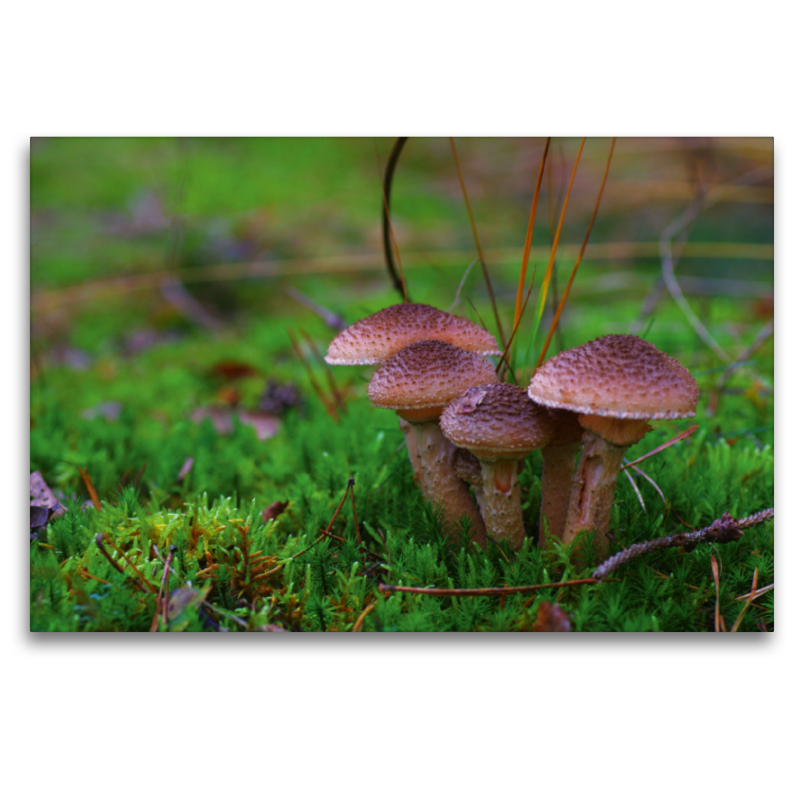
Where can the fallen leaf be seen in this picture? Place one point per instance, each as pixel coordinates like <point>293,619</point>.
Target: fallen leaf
<point>39,516</point>
<point>140,340</point>
<point>230,370</point>
<point>70,357</point>
<point>279,397</point>
<point>109,411</point>
<point>764,308</point>
<point>471,399</point>
<point>187,465</point>
<point>228,396</point>
<point>274,510</point>
<point>42,494</point>
<point>551,618</point>
<point>221,419</point>
<point>183,597</point>
<point>266,425</point>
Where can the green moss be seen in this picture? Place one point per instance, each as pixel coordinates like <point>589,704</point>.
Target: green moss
<point>235,571</point>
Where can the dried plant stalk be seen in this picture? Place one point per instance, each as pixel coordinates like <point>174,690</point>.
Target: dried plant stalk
<point>725,529</point>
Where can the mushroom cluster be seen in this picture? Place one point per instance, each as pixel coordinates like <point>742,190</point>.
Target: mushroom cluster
<point>428,358</point>
<point>464,429</point>
<point>418,383</point>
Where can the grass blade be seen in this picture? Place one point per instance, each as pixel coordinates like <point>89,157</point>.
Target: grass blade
<point>636,489</point>
<point>478,243</point>
<point>564,297</point>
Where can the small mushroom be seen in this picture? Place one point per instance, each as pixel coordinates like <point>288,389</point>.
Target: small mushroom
<point>375,338</point>
<point>615,384</point>
<point>418,382</point>
<point>499,425</point>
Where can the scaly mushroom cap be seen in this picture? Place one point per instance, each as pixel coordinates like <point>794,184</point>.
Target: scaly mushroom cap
<point>426,375</point>
<point>374,339</point>
<point>496,421</point>
<point>616,376</point>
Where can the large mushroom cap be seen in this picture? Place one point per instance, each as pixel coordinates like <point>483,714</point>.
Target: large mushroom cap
<point>374,339</point>
<point>427,374</point>
<point>616,376</point>
<point>496,421</point>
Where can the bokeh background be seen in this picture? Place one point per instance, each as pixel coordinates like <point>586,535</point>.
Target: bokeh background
<point>168,274</point>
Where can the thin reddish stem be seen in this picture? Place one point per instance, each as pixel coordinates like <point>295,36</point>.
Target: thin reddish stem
<point>564,297</point>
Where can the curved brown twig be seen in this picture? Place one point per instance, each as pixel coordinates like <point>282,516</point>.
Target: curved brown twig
<point>397,282</point>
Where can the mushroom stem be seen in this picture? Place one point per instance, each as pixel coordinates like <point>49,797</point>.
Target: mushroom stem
<point>593,490</point>
<point>440,484</point>
<point>468,468</point>
<point>557,471</point>
<point>410,435</point>
<point>500,501</point>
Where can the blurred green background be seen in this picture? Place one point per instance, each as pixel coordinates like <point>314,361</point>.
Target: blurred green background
<point>160,258</point>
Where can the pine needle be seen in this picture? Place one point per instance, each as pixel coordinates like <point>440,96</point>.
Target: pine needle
<point>549,271</point>
<point>504,362</point>
<point>750,599</point>
<point>337,396</point>
<point>672,441</point>
<point>719,622</point>
<point>518,310</point>
<point>329,407</point>
<point>636,489</point>
<point>90,488</point>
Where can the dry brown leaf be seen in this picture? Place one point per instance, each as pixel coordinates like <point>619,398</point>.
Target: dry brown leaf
<point>230,370</point>
<point>551,618</point>
<point>41,493</point>
<point>274,510</point>
<point>265,424</point>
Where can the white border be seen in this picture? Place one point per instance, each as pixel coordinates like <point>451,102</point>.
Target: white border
<point>650,716</point>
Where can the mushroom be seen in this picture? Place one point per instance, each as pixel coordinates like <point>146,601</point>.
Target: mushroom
<point>375,338</point>
<point>615,384</point>
<point>468,468</point>
<point>417,383</point>
<point>558,467</point>
<point>499,425</point>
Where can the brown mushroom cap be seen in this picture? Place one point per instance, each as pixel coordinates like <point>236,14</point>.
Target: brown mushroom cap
<point>496,421</point>
<point>616,376</point>
<point>427,375</point>
<point>374,339</point>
